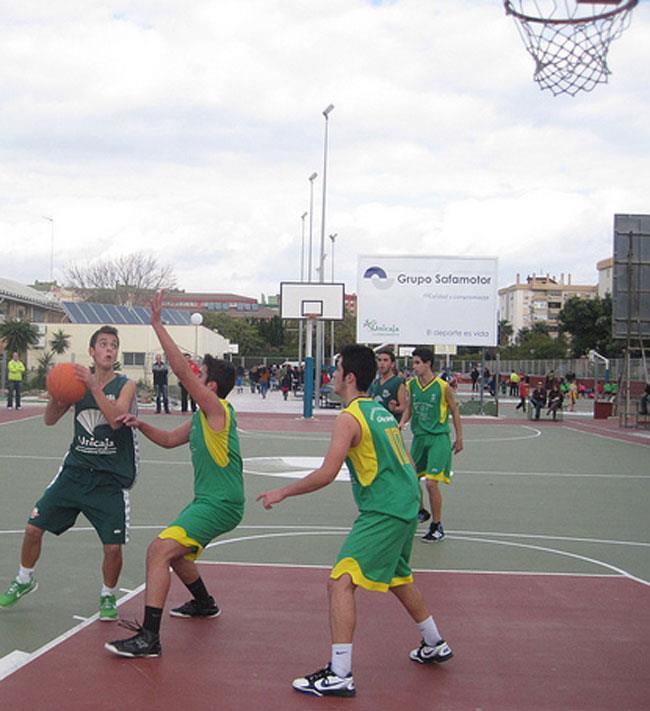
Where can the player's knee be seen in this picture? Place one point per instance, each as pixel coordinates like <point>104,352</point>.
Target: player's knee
<point>34,533</point>
<point>344,583</point>
<point>113,551</point>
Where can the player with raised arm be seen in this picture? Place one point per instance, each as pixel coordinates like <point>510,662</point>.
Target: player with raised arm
<point>218,503</point>
<point>429,401</point>
<point>375,555</point>
<point>97,472</point>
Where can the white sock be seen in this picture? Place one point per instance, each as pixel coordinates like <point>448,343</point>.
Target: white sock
<point>107,591</point>
<point>341,663</point>
<point>429,631</point>
<point>25,575</point>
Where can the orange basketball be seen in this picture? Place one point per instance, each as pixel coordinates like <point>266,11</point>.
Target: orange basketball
<point>63,384</point>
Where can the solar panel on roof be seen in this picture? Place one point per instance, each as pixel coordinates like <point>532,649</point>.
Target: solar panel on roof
<point>113,312</point>
<point>103,314</point>
<point>143,314</point>
<point>74,312</point>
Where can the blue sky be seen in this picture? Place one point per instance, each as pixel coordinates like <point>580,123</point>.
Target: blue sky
<point>190,130</point>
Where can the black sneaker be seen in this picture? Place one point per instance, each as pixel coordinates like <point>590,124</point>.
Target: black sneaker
<point>325,682</point>
<point>423,515</point>
<point>143,644</point>
<point>437,654</point>
<point>194,609</point>
<point>435,533</point>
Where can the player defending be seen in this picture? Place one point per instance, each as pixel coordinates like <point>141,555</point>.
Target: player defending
<point>218,504</point>
<point>95,476</point>
<point>388,388</point>
<point>429,400</point>
<point>376,553</point>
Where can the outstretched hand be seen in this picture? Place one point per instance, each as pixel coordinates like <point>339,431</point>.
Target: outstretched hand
<point>129,419</point>
<point>270,498</point>
<point>156,306</point>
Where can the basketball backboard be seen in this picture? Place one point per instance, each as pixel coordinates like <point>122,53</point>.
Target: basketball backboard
<point>302,300</point>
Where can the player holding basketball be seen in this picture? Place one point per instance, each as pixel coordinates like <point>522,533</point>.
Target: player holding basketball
<point>429,400</point>
<point>218,504</point>
<point>388,388</point>
<point>376,553</point>
<point>95,477</point>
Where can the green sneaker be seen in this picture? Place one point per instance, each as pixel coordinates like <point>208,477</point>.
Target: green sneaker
<point>15,591</point>
<point>107,608</point>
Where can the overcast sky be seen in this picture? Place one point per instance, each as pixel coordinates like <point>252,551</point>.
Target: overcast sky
<point>190,129</point>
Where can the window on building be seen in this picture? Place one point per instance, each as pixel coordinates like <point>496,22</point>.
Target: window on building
<point>133,358</point>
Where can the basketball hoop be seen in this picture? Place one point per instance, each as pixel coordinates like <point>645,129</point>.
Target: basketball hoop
<point>569,39</point>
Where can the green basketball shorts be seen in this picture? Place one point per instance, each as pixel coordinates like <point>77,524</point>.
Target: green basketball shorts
<point>432,456</point>
<point>376,552</point>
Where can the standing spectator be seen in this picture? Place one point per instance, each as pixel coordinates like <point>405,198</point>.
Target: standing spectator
<point>160,383</point>
<point>523,393</point>
<point>643,401</point>
<point>286,382</point>
<point>538,398</point>
<point>16,370</point>
<point>572,393</point>
<point>265,377</point>
<point>474,375</point>
<point>514,383</point>
<point>239,379</point>
<point>195,369</point>
<point>254,379</point>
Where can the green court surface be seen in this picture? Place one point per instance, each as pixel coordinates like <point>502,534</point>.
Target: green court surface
<point>538,499</point>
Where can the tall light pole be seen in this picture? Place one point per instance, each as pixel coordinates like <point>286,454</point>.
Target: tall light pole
<point>320,333</point>
<point>302,278</point>
<point>332,238</point>
<point>51,221</point>
<point>312,177</point>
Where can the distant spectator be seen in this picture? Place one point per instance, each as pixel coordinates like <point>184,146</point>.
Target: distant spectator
<point>538,399</point>
<point>239,379</point>
<point>474,375</point>
<point>265,378</point>
<point>523,393</point>
<point>160,383</point>
<point>644,400</point>
<point>554,401</point>
<point>184,396</point>
<point>514,383</point>
<point>16,373</point>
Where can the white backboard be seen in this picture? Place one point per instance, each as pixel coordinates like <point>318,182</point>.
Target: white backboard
<point>326,301</point>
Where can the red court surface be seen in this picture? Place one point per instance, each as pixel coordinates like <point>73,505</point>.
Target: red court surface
<point>521,642</point>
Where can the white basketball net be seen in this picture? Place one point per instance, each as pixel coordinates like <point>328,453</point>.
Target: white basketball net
<point>569,40</point>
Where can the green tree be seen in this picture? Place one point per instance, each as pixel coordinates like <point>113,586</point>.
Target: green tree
<point>18,336</point>
<point>236,330</point>
<point>271,331</point>
<point>43,365</point>
<point>60,342</point>
<point>345,332</point>
<point>589,323</point>
<point>536,342</point>
<point>505,331</point>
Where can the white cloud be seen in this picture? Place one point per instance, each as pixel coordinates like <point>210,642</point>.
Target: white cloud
<point>190,129</point>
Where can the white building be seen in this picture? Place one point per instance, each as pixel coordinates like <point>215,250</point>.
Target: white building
<point>539,299</point>
<point>605,276</point>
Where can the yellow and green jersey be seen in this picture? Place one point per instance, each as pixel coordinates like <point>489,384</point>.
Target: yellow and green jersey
<point>429,412</point>
<point>216,459</point>
<point>383,479</point>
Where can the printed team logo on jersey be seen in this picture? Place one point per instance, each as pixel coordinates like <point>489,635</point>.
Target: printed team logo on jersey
<point>34,513</point>
<point>90,420</point>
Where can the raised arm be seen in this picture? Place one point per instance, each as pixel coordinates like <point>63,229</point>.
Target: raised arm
<point>200,393</point>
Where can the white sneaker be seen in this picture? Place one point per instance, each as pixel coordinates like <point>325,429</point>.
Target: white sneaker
<point>425,654</point>
<point>325,682</point>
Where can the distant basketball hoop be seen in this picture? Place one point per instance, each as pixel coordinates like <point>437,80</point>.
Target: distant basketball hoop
<point>569,39</point>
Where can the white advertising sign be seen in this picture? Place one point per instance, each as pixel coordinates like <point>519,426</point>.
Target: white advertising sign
<point>427,300</point>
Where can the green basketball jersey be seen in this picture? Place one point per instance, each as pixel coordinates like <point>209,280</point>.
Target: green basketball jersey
<point>216,459</point>
<point>429,412</point>
<point>385,392</point>
<point>383,479</point>
<point>97,446</point>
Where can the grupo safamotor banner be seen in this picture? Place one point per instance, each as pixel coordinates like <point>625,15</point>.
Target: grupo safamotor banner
<point>427,300</point>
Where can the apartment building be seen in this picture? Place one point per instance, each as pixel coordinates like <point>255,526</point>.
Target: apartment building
<point>539,298</point>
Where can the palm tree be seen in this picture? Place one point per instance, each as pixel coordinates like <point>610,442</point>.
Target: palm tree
<point>505,332</point>
<point>18,336</point>
<point>60,342</point>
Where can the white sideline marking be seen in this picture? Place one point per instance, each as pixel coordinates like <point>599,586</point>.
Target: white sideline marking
<point>12,661</point>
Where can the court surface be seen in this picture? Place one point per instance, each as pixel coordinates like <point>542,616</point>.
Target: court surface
<point>542,586</point>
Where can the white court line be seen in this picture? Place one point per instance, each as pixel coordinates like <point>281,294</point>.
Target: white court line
<point>310,566</point>
<point>63,637</point>
<point>22,419</point>
<point>567,475</point>
<point>609,437</point>
<point>345,529</point>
